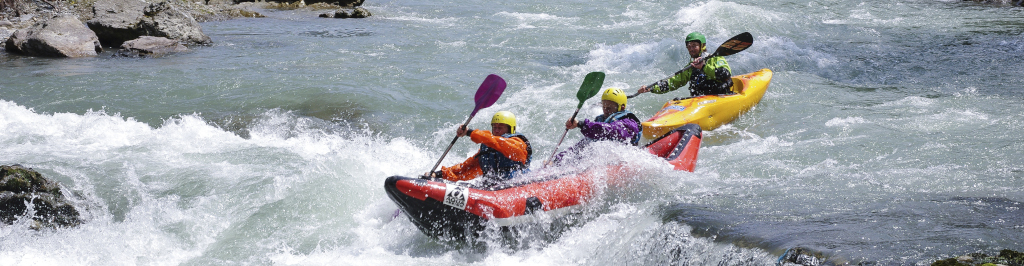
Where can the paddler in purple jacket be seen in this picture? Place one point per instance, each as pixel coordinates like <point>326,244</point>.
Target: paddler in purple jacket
<point>616,124</point>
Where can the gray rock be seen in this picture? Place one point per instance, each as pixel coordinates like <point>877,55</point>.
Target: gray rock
<point>4,34</point>
<point>26,17</point>
<point>341,3</point>
<point>149,46</point>
<point>220,2</point>
<point>344,3</point>
<point>117,21</point>
<point>62,36</point>
<point>164,20</point>
<point>358,12</point>
<point>21,188</point>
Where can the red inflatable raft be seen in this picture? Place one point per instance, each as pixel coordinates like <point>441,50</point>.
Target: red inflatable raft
<point>445,209</point>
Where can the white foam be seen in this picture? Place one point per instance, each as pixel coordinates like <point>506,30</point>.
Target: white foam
<point>717,19</point>
<point>844,122</point>
<point>620,58</point>
<point>169,194</point>
<point>422,19</point>
<point>538,20</point>
<point>913,101</point>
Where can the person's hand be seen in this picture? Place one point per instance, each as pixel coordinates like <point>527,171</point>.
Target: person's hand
<point>429,175</point>
<point>571,124</point>
<point>698,63</point>
<point>643,89</point>
<point>463,131</point>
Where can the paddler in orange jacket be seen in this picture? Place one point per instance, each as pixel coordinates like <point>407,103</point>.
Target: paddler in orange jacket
<point>503,153</point>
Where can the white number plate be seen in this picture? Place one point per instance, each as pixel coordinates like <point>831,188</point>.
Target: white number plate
<point>456,196</point>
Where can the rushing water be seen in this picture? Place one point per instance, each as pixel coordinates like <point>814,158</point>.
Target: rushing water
<point>890,134</point>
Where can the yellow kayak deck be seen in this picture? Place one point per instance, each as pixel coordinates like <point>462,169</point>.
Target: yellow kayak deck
<point>709,111</point>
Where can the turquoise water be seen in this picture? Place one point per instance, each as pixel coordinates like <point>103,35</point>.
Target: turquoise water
<point>890,134</point>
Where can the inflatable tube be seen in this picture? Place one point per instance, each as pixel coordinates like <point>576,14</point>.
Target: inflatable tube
<point>448,210</point>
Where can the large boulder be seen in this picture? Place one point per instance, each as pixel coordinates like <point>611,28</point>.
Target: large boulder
<point>61,36</point>
<point>21,188</point>
<point>117,21</point>
<point>149,46</point>
<point>164,20</point>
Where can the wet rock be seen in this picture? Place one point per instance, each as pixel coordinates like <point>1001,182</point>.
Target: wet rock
<point>800,256</point>
<point>164,20</point>
<point>1006,257</point>
<point>358,12</point>
<point>22,189</point>
<point>117,21</point>
<point>242,13</point>
<point>149,46</point>
<point>61,36</point>
<point>341,3</point>
<point>220,12</point>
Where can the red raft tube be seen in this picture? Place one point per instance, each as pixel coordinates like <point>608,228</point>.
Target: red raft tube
<point>448,210</point>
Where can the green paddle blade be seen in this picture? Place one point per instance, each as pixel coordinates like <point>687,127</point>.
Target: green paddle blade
<point>591,85</point>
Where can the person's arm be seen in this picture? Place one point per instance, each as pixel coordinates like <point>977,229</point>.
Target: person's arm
<point>512,148</point>
<point>672,83</point>
<point>623,129</point>
<point>467,170</point>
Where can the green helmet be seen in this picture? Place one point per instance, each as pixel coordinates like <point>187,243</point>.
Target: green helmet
<point>696,36</point>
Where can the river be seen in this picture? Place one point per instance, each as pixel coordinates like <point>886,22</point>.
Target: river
<point>890,134</point>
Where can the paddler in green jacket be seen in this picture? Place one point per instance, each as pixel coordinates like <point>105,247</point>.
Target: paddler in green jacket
<point>710,76</point>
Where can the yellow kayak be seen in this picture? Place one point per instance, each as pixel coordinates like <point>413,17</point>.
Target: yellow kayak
<point>709,111</point>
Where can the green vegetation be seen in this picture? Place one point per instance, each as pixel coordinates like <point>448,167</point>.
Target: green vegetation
<point>1006,257</point>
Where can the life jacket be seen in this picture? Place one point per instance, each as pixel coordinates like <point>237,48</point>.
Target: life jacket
<point>702,84</point>
<point>616,116</point>
<point>493,163</point>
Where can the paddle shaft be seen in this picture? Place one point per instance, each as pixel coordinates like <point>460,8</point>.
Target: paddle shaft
<point>688,67</point>
<point>561,139</point>
<point>450,145</point>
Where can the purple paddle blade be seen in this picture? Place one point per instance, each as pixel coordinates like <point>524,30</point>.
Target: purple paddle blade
<point>489,92</point>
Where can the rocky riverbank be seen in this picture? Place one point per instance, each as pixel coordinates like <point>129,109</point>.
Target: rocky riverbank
<point>1006,257</point>
<point>73,28</point>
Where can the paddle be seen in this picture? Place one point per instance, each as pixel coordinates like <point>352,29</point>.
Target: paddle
<point>591,85</point>
<point>734,45</point>
<point>486,95</point>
